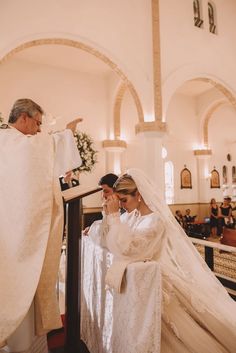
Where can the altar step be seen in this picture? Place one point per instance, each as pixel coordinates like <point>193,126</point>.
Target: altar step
<point>82,349</point>
<point>56,341</point>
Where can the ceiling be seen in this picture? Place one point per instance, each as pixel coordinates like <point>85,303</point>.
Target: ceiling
<point>70,58</point>
<point>194,88</point>
<point>62,56</point>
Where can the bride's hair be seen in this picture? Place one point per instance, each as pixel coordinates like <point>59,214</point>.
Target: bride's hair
<point>125,185</point>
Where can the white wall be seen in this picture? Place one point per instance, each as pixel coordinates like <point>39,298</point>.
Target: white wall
<point>188,51</point>
<point>183,134</point>
<point>140,151</point>
<point>222,140</point>
<point>120,30</point>
<point>63,93</point>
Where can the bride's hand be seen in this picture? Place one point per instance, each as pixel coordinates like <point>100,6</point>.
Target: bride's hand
<point>112,204</point>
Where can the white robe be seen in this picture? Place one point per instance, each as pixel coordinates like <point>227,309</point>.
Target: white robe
<point>187,327</point>
<point>128,321</point>
<point>31,215</point>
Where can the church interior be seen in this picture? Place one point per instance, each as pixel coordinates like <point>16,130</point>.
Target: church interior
<point>153,80</point>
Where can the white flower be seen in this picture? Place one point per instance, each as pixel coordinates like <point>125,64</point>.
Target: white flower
<point>87,153</point>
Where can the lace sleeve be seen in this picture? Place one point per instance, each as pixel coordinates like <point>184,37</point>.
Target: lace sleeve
<point>98,230</point>
<point>136,244</point>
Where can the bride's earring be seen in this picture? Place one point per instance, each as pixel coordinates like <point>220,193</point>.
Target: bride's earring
<point>139,199</point>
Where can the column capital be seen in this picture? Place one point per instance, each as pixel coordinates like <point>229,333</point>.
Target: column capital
<point>114,145</point>
<point>157,126</point>
<point>202,154</point>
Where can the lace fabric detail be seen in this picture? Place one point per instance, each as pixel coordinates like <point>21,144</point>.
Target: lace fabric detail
<point>113,218</point>
<point>113,322</point>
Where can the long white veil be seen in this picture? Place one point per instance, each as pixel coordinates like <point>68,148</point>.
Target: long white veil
<point>182,263</point>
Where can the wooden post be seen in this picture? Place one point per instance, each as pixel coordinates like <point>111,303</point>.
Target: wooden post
<point>73,343</point>
<point>209,257</point>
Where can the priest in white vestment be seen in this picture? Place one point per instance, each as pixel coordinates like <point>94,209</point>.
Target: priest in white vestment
<point>31,213</point>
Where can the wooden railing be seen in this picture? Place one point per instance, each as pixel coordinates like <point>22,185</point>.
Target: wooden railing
<point>209,246</point>
<point>73,198</point>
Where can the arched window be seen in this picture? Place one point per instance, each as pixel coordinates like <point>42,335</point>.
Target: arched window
<point>169,182</point>
<point>197,14</point>
<point>225,176</point>
<point>234,175</point>
<point>211,18</point>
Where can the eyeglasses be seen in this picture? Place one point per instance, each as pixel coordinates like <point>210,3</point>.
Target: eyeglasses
<point>39,123</point>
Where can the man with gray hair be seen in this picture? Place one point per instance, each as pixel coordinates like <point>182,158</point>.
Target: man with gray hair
<point>26,116</point>
<point>31,224</point>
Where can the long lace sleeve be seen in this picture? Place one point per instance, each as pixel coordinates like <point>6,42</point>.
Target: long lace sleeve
<point>134,240</point>
<point>137,242</point>
<point>98,231</point>
<point>67,156</point>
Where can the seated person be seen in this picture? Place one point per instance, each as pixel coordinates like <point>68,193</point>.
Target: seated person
<point>69,180</point>
<point>188,218</point>
<point>179,218</point>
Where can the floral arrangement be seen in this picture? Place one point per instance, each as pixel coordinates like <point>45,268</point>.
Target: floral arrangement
<point>87,153</point>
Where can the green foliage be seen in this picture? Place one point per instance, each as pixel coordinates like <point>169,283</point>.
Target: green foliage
<point>87,153</point>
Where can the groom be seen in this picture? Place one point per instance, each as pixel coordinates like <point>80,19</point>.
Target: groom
<point>106,182</point>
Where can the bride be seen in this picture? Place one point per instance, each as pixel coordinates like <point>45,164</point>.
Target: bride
<point>197,313</point>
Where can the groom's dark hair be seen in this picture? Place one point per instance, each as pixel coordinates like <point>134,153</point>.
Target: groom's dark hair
<point>108,179</point>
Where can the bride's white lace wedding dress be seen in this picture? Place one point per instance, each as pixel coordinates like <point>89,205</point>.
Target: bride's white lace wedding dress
<point>198,316</point>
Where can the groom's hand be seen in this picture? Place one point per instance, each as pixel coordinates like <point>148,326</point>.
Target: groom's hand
<point>112,204</point>
<point>85,231</point>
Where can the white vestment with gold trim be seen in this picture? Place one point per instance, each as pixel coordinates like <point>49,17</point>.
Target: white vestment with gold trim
<point>31,226</point>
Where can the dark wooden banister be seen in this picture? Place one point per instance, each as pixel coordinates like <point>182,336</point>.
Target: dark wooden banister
<point>73,197</point>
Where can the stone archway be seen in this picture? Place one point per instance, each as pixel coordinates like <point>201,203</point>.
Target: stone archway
<point>185,75</point>
<point>229,98</point>
<point>117,106</point>
<point>207,118</point>
<point>90,50</point>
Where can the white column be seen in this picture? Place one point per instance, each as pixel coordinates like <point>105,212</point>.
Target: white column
<point>114,162</point>
<point>203,174</point>
<point>114,151</point>
<point>151,157</point>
